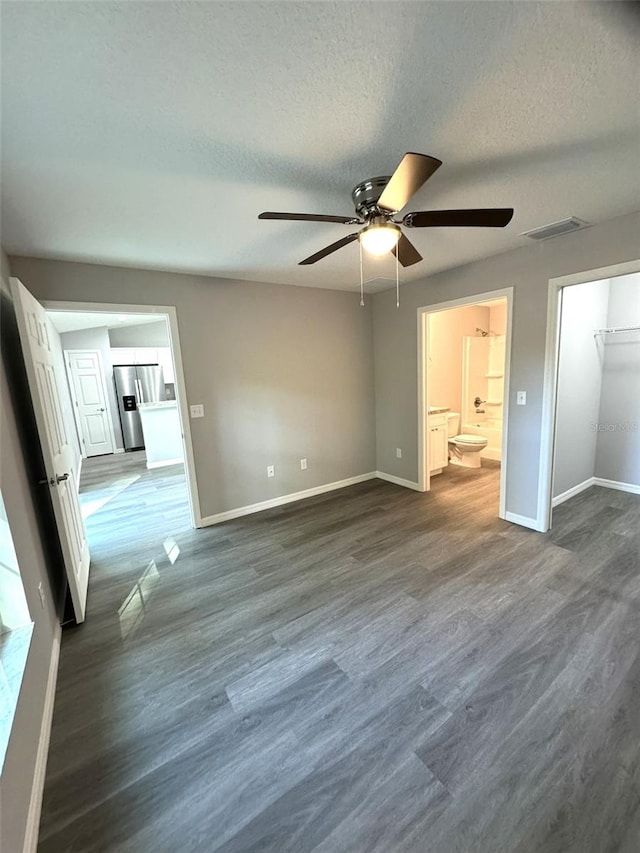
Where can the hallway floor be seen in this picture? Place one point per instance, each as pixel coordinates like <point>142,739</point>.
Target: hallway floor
<point>368,670</point>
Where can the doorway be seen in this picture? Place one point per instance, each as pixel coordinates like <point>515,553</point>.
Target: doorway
<point>464,355</point>
<point>591,403</point>
<point>148,417</point>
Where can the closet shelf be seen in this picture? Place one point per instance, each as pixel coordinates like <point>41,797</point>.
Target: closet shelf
<point>615,329</point>
<point>494,375</point>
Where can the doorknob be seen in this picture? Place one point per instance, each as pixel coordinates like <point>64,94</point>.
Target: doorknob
<point>101,410</point>
<point>52,481</point>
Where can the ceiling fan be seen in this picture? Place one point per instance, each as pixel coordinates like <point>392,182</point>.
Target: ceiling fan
<point>378,200</point>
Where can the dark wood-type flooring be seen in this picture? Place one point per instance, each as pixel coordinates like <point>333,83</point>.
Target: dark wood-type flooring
<point>368,670</point>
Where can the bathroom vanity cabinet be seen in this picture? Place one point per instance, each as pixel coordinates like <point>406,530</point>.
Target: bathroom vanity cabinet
<point>438,443</point>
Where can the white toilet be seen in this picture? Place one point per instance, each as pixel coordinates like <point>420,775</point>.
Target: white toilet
<point>464,449</point>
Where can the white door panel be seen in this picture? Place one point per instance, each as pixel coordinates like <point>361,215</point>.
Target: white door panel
<point>86,378</point>
<point>57,450</point>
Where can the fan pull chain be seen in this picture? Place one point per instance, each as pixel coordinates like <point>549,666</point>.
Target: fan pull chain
<point>361,277</point>
<point>397,281</point>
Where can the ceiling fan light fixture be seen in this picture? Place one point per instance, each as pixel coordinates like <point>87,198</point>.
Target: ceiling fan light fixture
<point>378,239</point>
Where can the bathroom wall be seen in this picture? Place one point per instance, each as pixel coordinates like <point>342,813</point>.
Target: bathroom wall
<point>446,331</point>
<point>98,339</point>
<point>498,318</point>
<point>140,335</point>
<point>618,440</point>
<point>584,308</point>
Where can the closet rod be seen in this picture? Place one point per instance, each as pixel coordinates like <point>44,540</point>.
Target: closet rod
<point>615,329</point>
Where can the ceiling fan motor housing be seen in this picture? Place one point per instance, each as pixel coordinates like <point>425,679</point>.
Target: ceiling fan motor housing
<point>366,194</point>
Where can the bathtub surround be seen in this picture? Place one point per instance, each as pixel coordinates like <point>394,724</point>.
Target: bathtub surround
<point>598,413</point>
<point>483,368</point>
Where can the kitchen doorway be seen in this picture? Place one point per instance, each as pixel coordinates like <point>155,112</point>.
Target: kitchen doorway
<point>144,392</point>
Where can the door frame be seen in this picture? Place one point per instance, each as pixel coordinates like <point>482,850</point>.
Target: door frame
<point>74,398</point>
<point>550,380</point>
<point>170,314</point>
<point>424,477</point>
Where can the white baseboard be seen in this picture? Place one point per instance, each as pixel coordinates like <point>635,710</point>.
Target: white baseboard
<point>37,788</point>
<point>632,488</point>
<point>524,521</point>
<point>208,520</point>
<point>119,450</point>
<point>165,462</point>
<point>398,481</point>
<point>573,491</point>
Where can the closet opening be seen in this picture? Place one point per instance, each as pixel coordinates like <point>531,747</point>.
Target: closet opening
<point>595,429</point>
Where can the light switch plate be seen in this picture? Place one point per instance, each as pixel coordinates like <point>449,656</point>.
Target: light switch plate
<point>197,410</point>
<point>521,398</point>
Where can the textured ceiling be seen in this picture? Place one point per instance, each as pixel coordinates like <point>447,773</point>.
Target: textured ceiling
<point>152,134</point>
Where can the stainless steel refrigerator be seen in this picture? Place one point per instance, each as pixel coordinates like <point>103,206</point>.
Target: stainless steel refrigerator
<point>135,384</point>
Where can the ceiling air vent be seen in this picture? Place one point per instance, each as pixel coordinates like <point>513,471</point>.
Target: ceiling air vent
<point>556,229</point>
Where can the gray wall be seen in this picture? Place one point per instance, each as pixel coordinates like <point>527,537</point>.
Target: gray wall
<point>584,308</point>
<point>18,471</point>
<point>283,373</point>
<point>97,339</point>
<point>618,449</point>
<point>140,335</point>
<point>528,270</point>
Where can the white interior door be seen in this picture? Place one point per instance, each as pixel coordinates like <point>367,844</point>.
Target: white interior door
<point>36,332</point>
<point>86,376</point>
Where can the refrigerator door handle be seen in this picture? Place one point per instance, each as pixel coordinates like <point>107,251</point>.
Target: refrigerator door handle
<point>139,394</point>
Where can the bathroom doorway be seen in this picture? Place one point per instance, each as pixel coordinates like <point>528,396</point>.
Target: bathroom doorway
<point>464,349</point>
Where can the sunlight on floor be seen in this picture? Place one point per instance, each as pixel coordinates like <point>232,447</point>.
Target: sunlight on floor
<point>95,500</point>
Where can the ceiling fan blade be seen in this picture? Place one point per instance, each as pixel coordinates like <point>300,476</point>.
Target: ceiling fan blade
<point>411,174</point>
<point>308,217</point>
<point>329,249</point>
<point>482,218</point>
<point>407,252</point>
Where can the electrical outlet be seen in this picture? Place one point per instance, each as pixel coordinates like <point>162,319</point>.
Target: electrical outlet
<point>271,471</point>
<point>303,464</point>
<point>398,453</point>
<point>197,410</point>
<point>521,398</point>
<point>41,592</point>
